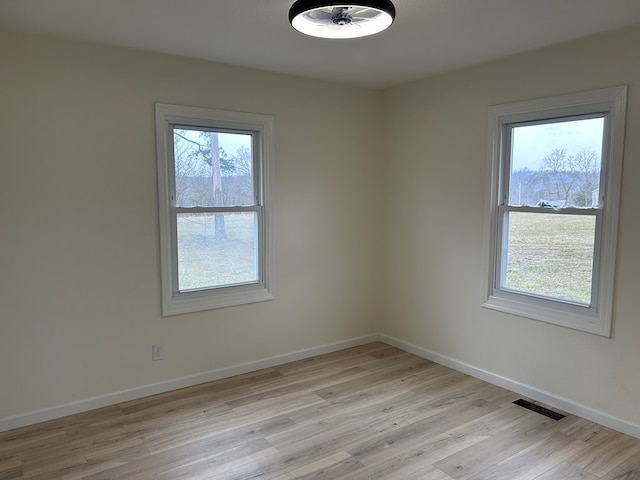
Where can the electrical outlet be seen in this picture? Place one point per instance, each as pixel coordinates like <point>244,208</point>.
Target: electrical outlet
<point>157,352</point>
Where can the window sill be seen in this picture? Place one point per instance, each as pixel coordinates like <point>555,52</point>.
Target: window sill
<point>207,300</point>
<point>569,316</point>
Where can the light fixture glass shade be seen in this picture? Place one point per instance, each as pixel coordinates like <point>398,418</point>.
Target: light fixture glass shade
<point>341,20</point>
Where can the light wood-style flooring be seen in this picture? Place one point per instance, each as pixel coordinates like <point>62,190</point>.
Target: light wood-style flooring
<point>370,412</point>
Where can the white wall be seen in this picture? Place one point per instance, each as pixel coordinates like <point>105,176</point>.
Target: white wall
<point>79,256</point>
<point>79,260</point>
<point>437,135</point>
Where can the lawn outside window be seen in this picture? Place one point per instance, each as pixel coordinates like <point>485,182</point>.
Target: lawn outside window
<point>553,191</point>
<point>214,174</point>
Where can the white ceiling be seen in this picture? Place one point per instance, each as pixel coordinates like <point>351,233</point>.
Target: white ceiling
<point>428,36</point>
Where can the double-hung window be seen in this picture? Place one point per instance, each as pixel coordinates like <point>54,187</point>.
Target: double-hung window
<point>553,183</point>
<point>214,172</point>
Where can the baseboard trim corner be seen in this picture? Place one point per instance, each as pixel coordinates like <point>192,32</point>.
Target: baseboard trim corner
<point>534,393</point>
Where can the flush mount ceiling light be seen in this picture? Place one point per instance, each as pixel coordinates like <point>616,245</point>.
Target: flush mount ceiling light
<point>328,19</point>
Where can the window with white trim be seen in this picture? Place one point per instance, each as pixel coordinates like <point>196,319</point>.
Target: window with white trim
<point>553,192</point>
<point>214,174</point>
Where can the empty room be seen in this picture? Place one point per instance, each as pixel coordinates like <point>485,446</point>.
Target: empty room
<point>453,183</point>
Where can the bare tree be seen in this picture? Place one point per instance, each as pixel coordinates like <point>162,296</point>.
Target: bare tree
<point>190,171</point>
<point>557,171</point>
<point>586,164</point>
<point>243,161</point>
<point>240,184</point>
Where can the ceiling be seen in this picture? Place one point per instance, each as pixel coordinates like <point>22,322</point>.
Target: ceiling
<point>427,38</point>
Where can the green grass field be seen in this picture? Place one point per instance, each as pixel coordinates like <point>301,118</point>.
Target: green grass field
<point>551,255</point>
<point>208,260</point>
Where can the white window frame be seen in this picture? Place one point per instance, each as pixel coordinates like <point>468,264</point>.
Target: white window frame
<point>595,318</point>
<point>261,128</point>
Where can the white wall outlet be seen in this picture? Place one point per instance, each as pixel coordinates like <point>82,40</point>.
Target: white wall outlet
<point>157,352</point>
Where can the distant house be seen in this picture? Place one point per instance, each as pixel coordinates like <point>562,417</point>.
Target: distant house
<point>552,203</point>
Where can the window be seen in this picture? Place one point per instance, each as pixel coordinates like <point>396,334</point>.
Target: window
<point>553,182</point>
<point>214,169</point>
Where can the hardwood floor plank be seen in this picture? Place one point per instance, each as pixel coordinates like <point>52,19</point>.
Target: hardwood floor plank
<point>407,461</point>
<point>10,468</point>
<point>208,434</point>
<point>381,447</point>
<point>582,429</point>
<point>333,466</point>
<point>426,406</point>
<point>222,464</point>
<point>565,471</point>
<point>201,457</point>
<point>288,384</point>
<point>500,446</point>
<point>505,417</point>
<point>427,473</point>
<point>279,464</point>
<point>606,452</point>
<point>627,470</point>
<point>349,409</point>
<point>534,460</point>
<point>347,358</point>
<point>33,437</point>
<point>373,378</point>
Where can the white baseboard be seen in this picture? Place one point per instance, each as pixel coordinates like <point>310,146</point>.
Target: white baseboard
<point>30,418</point>
<point>58,411</point>
<point>556,401</point>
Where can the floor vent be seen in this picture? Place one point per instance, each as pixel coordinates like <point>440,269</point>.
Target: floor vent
<point>538,409</point>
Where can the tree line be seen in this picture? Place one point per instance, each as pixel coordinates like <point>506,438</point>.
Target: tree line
<point>561,181</point>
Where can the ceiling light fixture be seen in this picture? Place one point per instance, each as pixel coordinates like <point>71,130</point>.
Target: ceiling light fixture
<point>328,19</point>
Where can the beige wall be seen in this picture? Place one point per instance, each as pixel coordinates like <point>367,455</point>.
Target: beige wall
<point>79,256</point>
<point>373,190</point>
<point>437,133</point>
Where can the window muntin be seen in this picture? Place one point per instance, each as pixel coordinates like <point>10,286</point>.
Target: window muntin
<point>213,171</point>
<point>577,225</point>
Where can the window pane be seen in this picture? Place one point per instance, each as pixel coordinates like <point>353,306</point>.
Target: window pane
<point>556,164</point>
<point>550,255</point>
<point>217,249</point>
<point>213,169</point>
